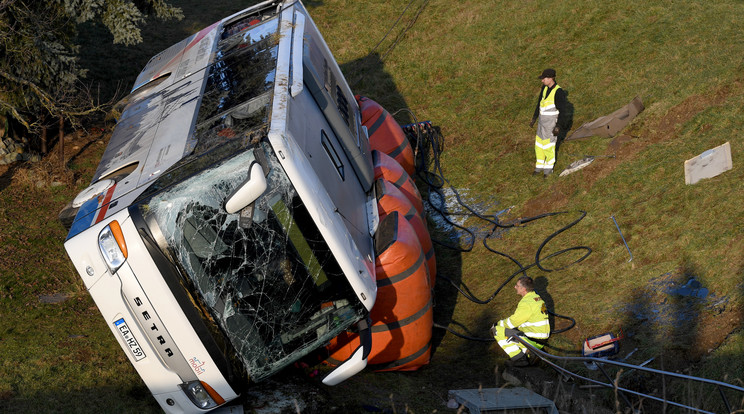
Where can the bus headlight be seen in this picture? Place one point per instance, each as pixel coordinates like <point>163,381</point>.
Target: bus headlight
<point>112,245</point>
<point>202,395</point>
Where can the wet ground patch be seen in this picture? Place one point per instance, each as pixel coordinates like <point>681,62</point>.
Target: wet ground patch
<point>461,218</point>
<point>678,314</point>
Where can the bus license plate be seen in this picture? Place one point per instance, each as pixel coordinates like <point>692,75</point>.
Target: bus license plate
<point>129,339</point>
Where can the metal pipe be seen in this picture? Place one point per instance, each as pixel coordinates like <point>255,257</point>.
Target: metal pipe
<point>621,236</point>
<point>725,400</point>
<point>616,387</point>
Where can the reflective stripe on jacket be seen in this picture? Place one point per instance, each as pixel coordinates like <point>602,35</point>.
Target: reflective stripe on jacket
<point>547,103</point>
<point>531,317</point>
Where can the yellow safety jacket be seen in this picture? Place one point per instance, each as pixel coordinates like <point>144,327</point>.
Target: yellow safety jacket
<point>531,317</point>
<point>547,103</point>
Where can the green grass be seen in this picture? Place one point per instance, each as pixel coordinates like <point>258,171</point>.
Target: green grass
<point>470,68</point>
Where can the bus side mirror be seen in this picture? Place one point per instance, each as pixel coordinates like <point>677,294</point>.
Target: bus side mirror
<point>249,191</point>
<point>358,360</point>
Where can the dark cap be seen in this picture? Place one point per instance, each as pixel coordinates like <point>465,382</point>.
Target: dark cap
<point>547,73</point>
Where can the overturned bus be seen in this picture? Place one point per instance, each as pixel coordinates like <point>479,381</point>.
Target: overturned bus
<point>228,230</point>
<point>248,211</point>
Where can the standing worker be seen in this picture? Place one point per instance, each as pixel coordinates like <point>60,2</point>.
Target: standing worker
<point>530,320</point>
<point>551,110</point>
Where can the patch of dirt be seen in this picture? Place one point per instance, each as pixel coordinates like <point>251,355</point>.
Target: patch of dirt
<point>552,199</point>
<point>618,142</point>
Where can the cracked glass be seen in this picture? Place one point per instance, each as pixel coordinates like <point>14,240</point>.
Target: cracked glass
<point>264,274</point>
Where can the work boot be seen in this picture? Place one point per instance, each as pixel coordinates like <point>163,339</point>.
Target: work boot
<point>518,361</point>
<point>547,173</point>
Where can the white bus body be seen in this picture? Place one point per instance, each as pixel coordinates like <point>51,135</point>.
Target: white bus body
<point>227,231</point>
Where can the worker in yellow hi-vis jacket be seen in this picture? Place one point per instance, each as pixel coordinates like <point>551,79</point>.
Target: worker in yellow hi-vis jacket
<point>552,113</point>
<point>530,320</point>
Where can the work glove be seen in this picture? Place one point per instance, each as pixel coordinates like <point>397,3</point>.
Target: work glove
<point>556,130</point>
<point>511,332</point>
<point>532,123</point>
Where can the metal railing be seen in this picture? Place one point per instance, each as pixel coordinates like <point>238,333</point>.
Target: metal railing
<point>623,392</point>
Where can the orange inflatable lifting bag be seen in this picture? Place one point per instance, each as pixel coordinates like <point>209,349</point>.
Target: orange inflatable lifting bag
<point>402,318</point>
<point>389,199</point>
<point>385,134</point>
<point>389,169</point>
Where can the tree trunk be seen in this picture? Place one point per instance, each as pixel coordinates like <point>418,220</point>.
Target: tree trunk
<point>62,142</point>
<point>43,140</point>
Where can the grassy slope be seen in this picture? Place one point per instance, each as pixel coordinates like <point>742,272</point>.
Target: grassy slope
<point>470,68</point>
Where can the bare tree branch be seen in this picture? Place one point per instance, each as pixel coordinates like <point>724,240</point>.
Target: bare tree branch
<point>18,117</point>
<point>4,4</point>
<point>44,98</point>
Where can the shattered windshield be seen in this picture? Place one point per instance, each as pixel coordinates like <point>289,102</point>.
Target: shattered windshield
<point>265,274</point>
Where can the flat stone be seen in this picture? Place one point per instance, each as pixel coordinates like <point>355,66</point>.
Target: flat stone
<point>709,164</point>
<point>12,157</point>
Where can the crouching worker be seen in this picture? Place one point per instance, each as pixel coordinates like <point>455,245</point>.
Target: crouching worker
<point>530,320</point>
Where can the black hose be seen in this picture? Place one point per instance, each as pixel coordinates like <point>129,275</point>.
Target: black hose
<point>477,339</point>
<point>568,226</point>
<point>465,291</point>
<point>557,331</point>
<point>463,336</point>
<point>435,181</point>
